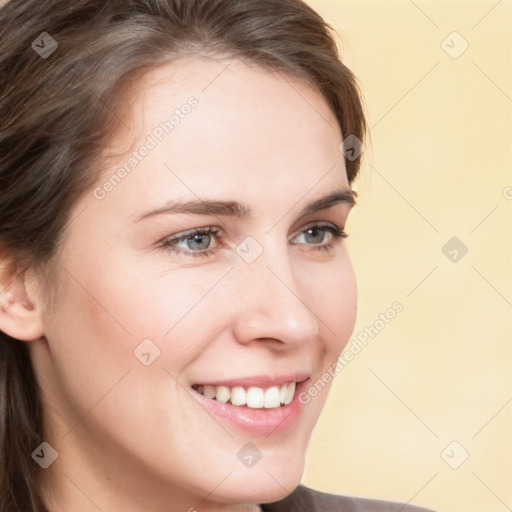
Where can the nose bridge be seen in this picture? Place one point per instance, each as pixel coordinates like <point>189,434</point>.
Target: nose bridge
<point>271,300</point>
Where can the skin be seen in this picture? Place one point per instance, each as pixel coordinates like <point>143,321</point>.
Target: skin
<point>131,437</point>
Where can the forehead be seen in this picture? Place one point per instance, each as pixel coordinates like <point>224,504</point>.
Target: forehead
<point>248,129</point>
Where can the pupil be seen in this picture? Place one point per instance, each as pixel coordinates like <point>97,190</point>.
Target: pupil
<point>198,239</point>
<point>318,232</point>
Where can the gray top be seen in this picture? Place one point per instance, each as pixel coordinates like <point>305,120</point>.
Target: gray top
<point>303,499</point>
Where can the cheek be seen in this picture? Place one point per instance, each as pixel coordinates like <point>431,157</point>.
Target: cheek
<point>104,314</point>
<point>163,305</point>
<point>128,302</point>
<point>346,299</point>
<point>331,293</point>
<point>90,345</point>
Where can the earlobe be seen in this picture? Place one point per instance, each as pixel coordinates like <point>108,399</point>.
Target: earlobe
<point>20,314</point>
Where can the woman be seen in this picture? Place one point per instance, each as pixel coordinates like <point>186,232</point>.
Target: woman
<point>174,186</point>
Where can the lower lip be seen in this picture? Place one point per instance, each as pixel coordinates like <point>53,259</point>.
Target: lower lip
<point>263,421</point>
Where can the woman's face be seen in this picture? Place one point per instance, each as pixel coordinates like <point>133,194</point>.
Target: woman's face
<point>139,322</point>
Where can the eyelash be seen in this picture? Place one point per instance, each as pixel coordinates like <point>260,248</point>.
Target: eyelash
<point>337,236</point>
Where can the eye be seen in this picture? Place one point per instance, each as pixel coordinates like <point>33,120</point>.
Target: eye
<point>316,234</point>
<point>197,242</point>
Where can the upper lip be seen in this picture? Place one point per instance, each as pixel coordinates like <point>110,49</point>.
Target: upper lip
<point>261,381</point>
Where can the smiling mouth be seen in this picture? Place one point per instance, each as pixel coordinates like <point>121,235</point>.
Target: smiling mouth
<point>253,397</point>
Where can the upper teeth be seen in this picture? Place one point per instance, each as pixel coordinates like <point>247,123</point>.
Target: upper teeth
<point>253,397</point>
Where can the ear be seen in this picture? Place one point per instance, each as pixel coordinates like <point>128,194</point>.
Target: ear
<point>20,310</point>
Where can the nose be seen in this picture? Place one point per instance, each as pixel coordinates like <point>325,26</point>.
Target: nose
<point>271,305</point>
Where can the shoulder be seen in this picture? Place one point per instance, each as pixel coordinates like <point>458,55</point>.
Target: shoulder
<point>303,499</point>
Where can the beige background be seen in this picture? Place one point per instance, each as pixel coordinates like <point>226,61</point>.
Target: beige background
<point>438,167</point>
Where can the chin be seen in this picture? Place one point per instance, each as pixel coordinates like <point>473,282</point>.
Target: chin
<point>263,483</point>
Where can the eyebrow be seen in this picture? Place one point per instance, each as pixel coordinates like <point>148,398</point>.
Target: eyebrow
<point>236,209</point>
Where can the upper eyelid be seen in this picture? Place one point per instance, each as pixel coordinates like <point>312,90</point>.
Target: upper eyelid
<point>209,229</point>
<point>320,224</point>
<point>219,230</point>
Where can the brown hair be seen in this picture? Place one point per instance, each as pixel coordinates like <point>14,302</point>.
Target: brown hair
<point>57,110</point>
